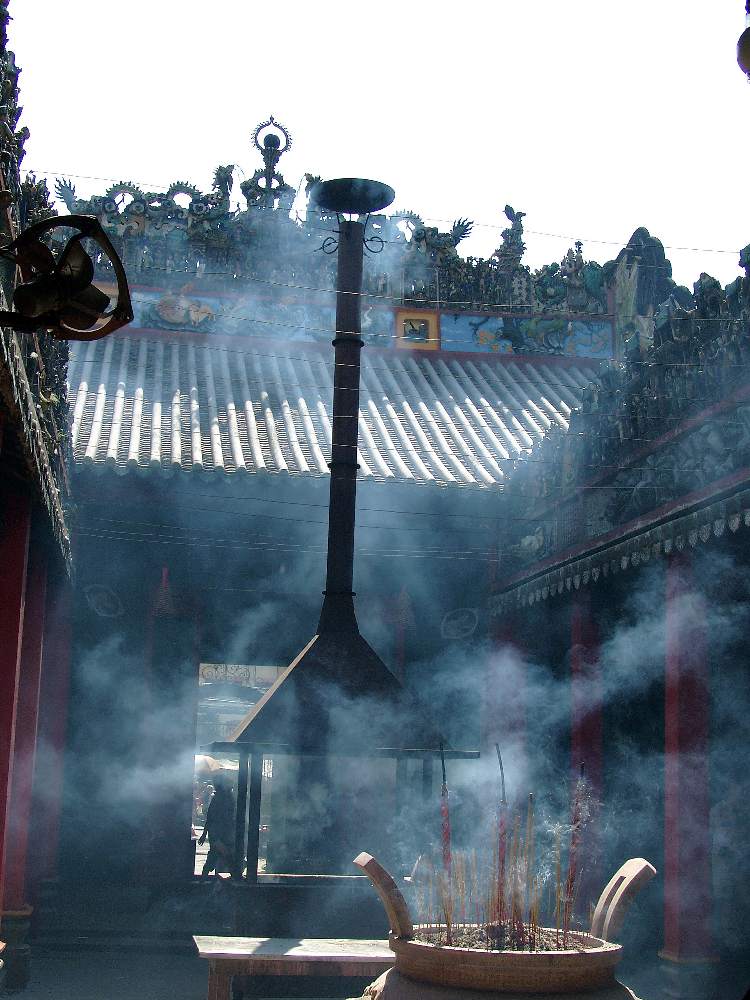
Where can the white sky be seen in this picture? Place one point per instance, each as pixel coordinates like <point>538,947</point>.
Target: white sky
<point>593,117</point>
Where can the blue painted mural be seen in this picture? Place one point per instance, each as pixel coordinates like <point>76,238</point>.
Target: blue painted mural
<point>292,319</point>
<point>526,335</point>
<point>253,317</point>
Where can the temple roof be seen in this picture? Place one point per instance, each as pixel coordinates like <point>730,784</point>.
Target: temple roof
<point>149,402</point>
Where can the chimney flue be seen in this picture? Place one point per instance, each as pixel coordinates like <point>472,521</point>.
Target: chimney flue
<point>352,196</point>
<point>338,605</point>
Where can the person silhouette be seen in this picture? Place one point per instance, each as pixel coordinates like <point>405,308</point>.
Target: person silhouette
<point>219,829</point>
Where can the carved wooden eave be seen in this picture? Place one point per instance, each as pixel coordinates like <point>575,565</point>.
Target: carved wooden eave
<point>653,541</point>
<point>18,398</point>
<point>681,521</point>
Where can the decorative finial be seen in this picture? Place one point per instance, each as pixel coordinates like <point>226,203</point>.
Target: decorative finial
<point>266,188</point>
<point>275,134</point>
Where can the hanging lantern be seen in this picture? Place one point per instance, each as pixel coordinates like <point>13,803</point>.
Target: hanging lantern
<point>57,290</point>
<point>743,45</point>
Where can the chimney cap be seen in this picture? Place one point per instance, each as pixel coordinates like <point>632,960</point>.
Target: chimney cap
<point>352,195</point>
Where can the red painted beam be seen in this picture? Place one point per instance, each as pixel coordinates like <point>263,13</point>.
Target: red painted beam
<point>15,522</point>
<point>24,747</point>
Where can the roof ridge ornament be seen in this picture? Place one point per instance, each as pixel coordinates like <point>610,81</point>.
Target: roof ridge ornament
<point>267,186</point>
<point>278,127</point>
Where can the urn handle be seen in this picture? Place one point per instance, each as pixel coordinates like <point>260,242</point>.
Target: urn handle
<point>618,895</point>
<point>395,905</point>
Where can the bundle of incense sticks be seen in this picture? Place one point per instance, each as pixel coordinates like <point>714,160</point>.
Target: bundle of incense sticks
<point>502,837</point>
<point>558,887</point>
<point>575,840</point>
<point>496,897</point>
<point>445,819</point>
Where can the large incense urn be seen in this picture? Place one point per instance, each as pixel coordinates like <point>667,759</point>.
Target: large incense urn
<point>426,969</point>
<point>590,965</point>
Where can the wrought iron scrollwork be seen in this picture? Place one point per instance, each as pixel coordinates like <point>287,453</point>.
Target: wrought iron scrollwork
<point>374,244</point>
<point>329,245</point>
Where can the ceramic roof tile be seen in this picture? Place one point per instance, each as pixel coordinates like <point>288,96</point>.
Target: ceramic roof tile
<point>442,418</point>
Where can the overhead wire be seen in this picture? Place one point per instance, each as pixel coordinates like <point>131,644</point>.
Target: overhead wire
<point>491,522</point>
<point>452,554</point>
<point>525,412</point>
<point>398,215</point>
<point>172,337</point>
<point>204,540</point>
<point>506,408</point>
<point>467,305</point>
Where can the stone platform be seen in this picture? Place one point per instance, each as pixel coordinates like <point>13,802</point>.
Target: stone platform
<point>393,986</point>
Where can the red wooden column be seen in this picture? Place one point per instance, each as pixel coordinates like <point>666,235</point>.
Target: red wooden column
<point>504,703</point>
<point>24,746</point>
<point>586,733</point>
<point>51,732</point>
<point>687,859</point>
<point>15,522</point>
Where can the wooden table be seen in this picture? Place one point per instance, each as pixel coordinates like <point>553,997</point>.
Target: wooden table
<point>241,956</point>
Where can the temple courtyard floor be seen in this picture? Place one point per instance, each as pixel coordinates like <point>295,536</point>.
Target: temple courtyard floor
<point>87,975</point>
<point>130,975</point>
<point>134,975</point>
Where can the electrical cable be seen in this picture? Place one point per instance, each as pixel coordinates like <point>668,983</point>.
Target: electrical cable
<point>502,410</point>
<point>401,216</point>
<point>171,339</point>
<point>506,409</point>
<point>474,515</point>
<point>201,541</point>
<point>471,306</point>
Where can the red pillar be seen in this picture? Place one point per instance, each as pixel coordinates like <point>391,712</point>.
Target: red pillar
<point>51,731</point>
<point>15,521</point>
<point>504,704</point>
<point>586,693</point>
<point>24,746</point>
<point>687,859</point>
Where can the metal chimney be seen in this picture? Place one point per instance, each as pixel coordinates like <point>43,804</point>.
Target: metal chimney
<point>338,666</point>
<point>337,696</point>
<point>346,196</point>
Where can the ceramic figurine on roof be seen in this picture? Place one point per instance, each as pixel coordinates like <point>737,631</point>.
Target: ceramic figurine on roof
<point>183,235</point>
<point>508,255</point>
<point>430,259</point>
<point>33,372</point>
<point>697,354</point>
<point>584,280</point>
<point>738,293</point>
<point>34,205</point>
<point>440,248</point>
<point>641,279</point>
<point>12,139</point>
<point>223,181</point>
